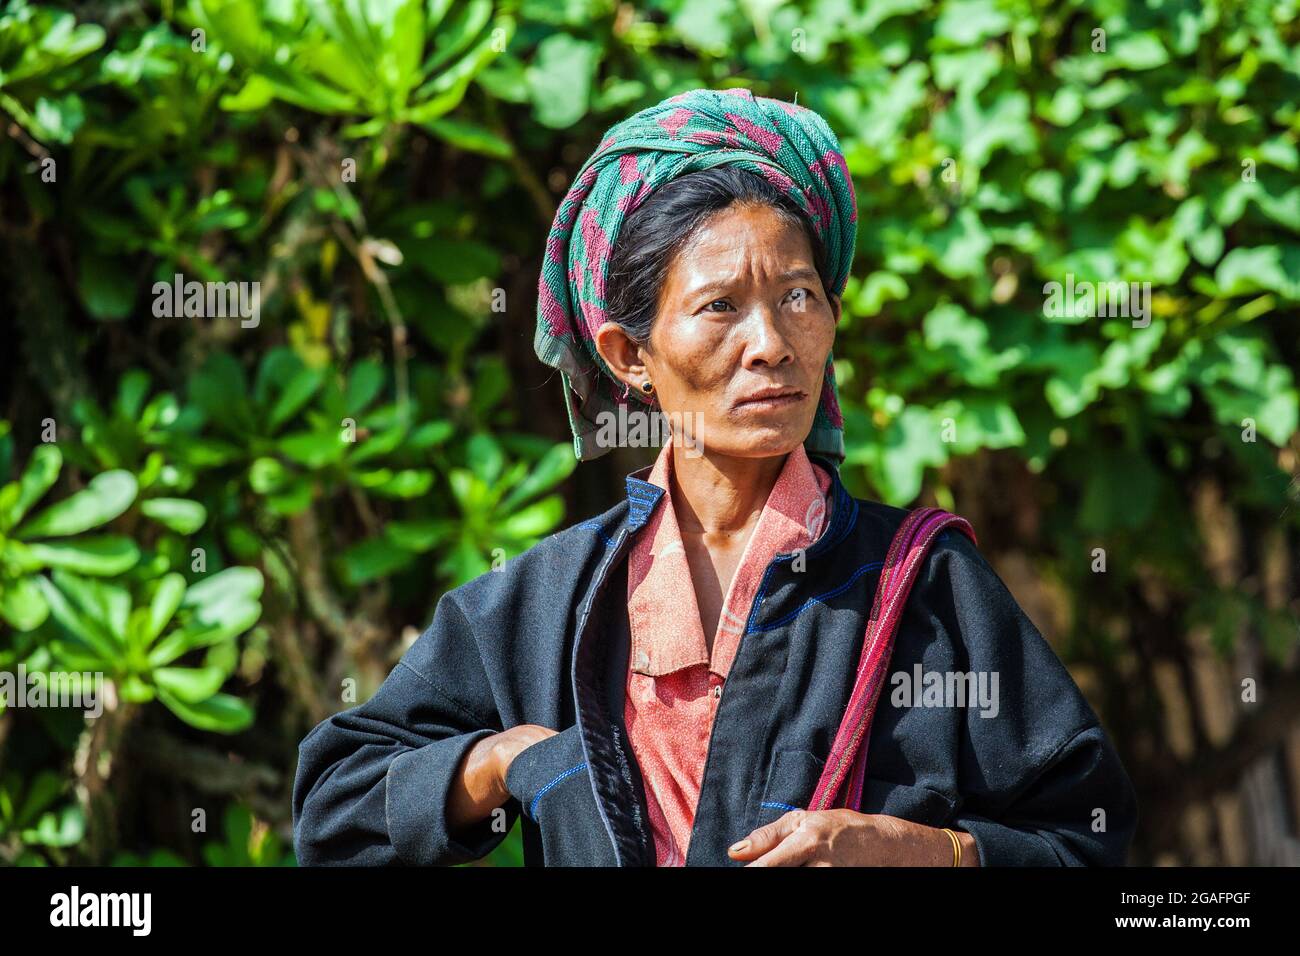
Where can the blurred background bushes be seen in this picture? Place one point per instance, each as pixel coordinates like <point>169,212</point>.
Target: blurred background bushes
<point>243,524</point>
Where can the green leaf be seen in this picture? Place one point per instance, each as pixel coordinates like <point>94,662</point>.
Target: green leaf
<point>365,380</point>
<point>179,514</point>
<point>980,422</point>
<point>314,449</point>
<point>876,290</point>
<point>430,435</point>
<point>378,445</point>
<point>537,519</point>
<point>968,22</point>
<point>418,536</point>
<point>407,483</point>
<point>107,496</point>
<point>297,393</point>
<point>63,828</point>
<point>560,78</point>
<point>101,556</point>
<point>134,690</point>
<point>237,619</point>
<point>555,466</point>
<point>23,605</point>
<point>38,477</point>
<point>57,119</point>
<point>166,600</point>
<point>953,332</point>
<point>221,713</point>
<point>107,605</point>
<point>961,245</point>
<point>132,390</point>
<point>452,262</point>
<point>372,559</point>
<point>485,457</point>
<point>704,25</point>
<point>267,475</point>
<point>192,685</point>
<point>470,137</point>
<point>1275,268</point>
<point>84,628</point>
<point>219,388</point>
<point>106,286</point>
<point>1138,51</point>
<point>211,595</point>
<point>45,789</point>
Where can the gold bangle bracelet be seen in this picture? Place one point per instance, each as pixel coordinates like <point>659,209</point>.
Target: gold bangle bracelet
<point>956,847</point>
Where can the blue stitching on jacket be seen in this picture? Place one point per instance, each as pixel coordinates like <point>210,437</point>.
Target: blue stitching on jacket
<point>778,805</point>
<point>819,599</point>
<point>596,527</point>
<point>532,807</point>
<point>825,542</point>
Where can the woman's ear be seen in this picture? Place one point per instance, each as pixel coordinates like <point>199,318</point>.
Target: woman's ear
<point>836,305</point>
<point>621,353</point>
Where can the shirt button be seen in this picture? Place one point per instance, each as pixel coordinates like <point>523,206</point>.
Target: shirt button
<point>717,691</point>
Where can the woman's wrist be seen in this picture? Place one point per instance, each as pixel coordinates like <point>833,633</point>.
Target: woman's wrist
<point>479,787</point>
<point>965,853</point>
<point>934,847</point>
<point>487,764</point>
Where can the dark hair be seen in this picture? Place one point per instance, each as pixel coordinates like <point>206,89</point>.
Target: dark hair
<point>665,222</point>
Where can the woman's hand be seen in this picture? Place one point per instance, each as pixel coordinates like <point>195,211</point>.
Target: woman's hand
<point>509,744</point>
<point>847,838</point>
<point>480,784</point>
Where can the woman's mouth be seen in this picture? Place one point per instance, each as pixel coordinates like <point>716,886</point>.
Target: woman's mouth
<point>772,398</point>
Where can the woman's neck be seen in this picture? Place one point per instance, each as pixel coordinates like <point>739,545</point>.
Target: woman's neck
<point>720,494</point>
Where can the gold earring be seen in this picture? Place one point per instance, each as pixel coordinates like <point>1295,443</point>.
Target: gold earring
<point>648,387</point>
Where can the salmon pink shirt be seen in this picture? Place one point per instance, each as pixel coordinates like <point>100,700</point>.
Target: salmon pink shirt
<point>673,684</point>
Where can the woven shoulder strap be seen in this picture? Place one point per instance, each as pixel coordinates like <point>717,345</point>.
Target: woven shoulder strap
<point>848,757</point>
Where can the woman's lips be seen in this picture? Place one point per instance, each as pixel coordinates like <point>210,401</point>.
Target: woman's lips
<point>772,399</point>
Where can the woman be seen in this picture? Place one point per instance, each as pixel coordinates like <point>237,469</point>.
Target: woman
<point>661,684</point>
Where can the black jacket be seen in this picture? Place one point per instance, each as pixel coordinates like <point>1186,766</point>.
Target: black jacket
<point>544,640</point>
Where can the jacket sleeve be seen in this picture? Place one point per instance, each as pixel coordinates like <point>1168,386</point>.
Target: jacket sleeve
<point>1039,780</point>
<point>373,782</point>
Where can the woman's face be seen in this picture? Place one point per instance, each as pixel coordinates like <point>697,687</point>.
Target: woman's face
<point>738,350</point>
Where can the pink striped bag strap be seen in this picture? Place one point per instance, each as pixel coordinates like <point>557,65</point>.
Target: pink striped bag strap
<point>848,757</point>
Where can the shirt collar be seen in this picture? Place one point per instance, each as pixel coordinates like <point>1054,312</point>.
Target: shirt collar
<point>666,631</point>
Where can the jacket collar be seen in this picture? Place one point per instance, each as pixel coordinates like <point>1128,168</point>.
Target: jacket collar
<point>642,497</point>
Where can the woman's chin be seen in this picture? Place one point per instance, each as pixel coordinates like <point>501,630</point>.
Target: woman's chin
<point>758,440</point>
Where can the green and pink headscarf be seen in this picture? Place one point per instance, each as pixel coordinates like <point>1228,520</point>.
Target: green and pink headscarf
<point>790,146</point>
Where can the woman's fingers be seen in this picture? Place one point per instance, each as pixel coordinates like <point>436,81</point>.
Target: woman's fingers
<point>767,837</point>
<point>799,848</point>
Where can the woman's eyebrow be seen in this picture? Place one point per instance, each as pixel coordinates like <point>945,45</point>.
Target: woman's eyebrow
<point>708,288</point>
<point>720,287</point>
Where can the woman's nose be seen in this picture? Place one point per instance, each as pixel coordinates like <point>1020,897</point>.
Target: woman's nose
<point>766,343</point>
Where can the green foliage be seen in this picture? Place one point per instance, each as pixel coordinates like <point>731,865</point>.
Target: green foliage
<point>248,842</point>
<point>38,50</point>
<point>26,548</point>
<point>31,817</point>
<point>403,62</point>
<point>245,841</point>
<point>138,647</point>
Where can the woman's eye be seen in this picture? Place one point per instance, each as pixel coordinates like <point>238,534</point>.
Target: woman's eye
<point>718,305</point>
<point>800,296</point>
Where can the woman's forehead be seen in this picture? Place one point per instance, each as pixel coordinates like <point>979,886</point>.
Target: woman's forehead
<point>742,242</point>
